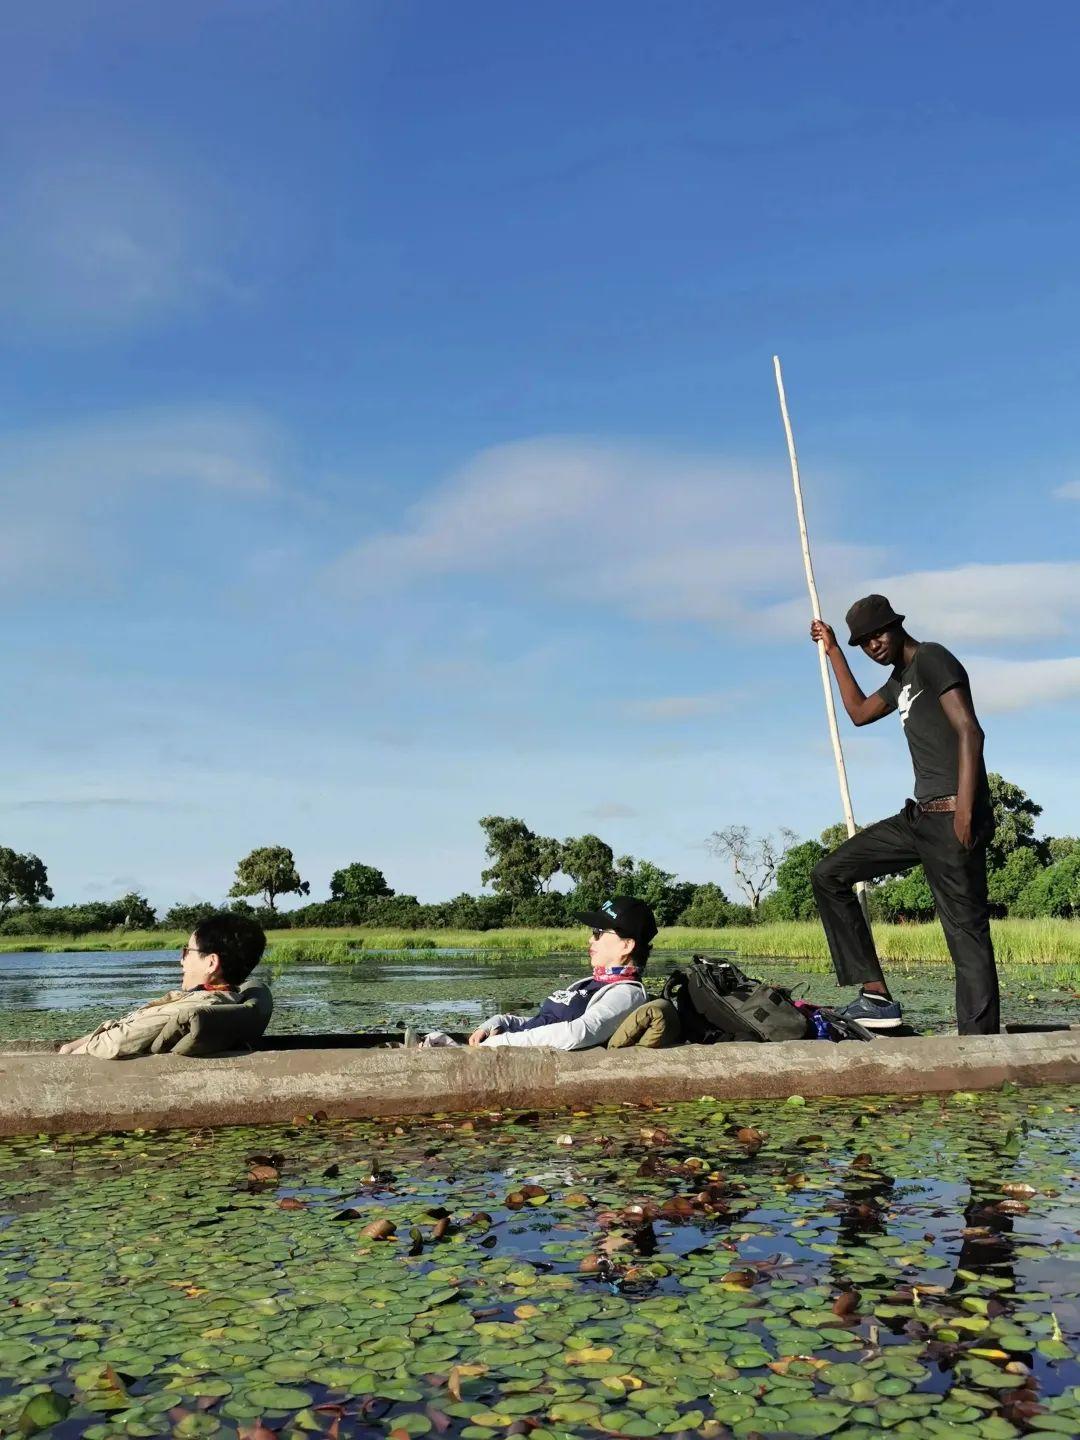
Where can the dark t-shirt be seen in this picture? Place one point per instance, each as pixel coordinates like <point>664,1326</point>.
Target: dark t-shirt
<point>935,750</point>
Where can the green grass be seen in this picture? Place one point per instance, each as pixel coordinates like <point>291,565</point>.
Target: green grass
<point>1016,941</point>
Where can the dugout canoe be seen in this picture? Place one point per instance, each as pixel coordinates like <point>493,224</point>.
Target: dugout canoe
<point>46,1093</point>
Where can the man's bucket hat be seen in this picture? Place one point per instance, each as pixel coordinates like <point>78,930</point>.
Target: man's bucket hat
<point>871,613</point>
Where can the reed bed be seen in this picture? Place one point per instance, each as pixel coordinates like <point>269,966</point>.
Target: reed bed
<point>1040,942</point>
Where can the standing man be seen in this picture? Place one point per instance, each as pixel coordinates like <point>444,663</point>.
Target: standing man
<point>945,828</point>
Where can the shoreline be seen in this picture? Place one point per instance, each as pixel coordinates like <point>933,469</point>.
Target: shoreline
<point>1015,941</point>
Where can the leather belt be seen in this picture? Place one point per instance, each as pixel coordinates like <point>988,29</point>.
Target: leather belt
<point>940,804</point>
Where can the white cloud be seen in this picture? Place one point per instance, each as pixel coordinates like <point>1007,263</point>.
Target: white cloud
<point>1069,491</point>
<point>98,238</point>
<point>999,685</point>
<point>1012,601</point>
<point>60,487</point>
<point>650,534</point>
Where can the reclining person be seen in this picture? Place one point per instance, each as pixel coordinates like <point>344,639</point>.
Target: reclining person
<point>589,1011</point>
<point>221,953</point>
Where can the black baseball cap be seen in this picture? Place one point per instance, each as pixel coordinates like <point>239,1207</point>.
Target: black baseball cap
<point>630,918</point>
<point>870,614</point>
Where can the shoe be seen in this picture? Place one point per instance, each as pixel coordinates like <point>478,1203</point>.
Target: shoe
<point>874,1014</point>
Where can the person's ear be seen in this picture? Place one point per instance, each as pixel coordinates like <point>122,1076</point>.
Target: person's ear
<point>627,947</point>
<point>213,961</point>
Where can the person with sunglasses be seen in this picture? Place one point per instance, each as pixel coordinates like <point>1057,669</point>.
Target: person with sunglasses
<point>221,953</point>
<point>588,1012</point>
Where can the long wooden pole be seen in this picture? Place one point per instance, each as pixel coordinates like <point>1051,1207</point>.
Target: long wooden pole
<point>826,678</point>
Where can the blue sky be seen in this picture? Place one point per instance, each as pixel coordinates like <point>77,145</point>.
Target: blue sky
<point>389,435</point>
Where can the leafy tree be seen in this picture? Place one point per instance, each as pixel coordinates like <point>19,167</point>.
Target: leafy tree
<point>186,917</point>
<point>22,878</point>
<point>549,910</point>
<point>269,871</point>
<point>1014,821</point>
<point>754,858</point>
<point>357,883</point>
<point>395,912</point>
<point>833,836</point>
<point>1054,891</point>
<point>794,898</point>
<point>523,862</point>
<point>666,897</point>
<point>1005,885</point>
<point>708,908</point>
<point>907,897</point>
<point>1060,847</point>
<point>138,913</point>
<point>590,863</point>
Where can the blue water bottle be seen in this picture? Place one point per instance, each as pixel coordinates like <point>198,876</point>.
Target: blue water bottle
<point>821,1026</point>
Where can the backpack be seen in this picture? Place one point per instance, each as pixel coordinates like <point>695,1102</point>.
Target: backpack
<point>717,1001</point>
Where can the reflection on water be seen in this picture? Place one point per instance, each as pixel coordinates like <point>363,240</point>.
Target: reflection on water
<point>46,996</point>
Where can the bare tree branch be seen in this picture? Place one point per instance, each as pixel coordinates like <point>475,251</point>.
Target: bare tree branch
<point>753,858</point>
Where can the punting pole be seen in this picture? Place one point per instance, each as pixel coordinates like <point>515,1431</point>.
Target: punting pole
<point>826,679</point>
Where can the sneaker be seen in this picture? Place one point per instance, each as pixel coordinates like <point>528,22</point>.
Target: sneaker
<point>874,1013</point>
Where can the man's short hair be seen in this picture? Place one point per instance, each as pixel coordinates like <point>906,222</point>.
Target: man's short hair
<point>237,942</point>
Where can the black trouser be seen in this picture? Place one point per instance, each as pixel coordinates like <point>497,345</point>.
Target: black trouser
<point>957,879</point>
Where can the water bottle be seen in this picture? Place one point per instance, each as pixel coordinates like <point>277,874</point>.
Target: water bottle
<point>821,1026</point>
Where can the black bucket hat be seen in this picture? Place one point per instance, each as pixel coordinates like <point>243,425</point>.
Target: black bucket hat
<point>871,613</point>
<point>630,918</point>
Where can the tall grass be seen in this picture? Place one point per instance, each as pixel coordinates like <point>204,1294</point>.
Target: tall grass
<point>1016,941</point>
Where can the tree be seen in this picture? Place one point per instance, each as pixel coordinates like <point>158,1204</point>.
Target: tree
<point>665,896</point>
<point>22,878</point>
<point>833,836</point>
<point>269,871</point>
<point>186,917</point>
<point>1060,847</point>
<point>523,862</point>
<point>1014,821</point>
<point>794,898</point>
<point>708,908</point>
<point>590,863</point>
<point>1054,891</point>
<point>753,858</point>
<point>357,883</point>
<point>907,897</point>
<point>1007,884</point>
<point>137,911</point>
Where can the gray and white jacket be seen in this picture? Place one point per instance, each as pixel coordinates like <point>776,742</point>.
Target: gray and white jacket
<point>585,1014</point>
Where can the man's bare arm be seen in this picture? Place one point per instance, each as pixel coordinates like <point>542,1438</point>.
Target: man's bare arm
<point>863,709</point>
<point>960,714</point>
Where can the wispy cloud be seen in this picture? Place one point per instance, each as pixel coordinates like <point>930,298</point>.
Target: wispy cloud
<point>61,487</point>
<point>999,685</point>
<point>1069,491</point>
<point>633,530</point>
<point>100,238</point>
<point>1007,602</point>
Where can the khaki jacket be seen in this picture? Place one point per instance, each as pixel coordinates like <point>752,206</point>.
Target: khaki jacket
<point>133,1034</point>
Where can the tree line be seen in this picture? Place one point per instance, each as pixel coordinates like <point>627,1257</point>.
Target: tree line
<point>1028,875</point>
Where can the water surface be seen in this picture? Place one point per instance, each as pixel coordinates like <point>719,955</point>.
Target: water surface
<point>53,996</point>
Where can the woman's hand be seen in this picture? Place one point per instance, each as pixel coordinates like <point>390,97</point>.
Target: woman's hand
<point>478,1036</point>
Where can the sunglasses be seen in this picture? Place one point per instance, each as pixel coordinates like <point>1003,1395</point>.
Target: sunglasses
<point>597,932</point>
<point>186,950</point>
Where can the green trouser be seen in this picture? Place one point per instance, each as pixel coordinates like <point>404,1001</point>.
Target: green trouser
<point>652,1025</point>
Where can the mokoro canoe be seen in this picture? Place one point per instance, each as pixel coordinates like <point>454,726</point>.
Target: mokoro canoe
<point>45,1093</point>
